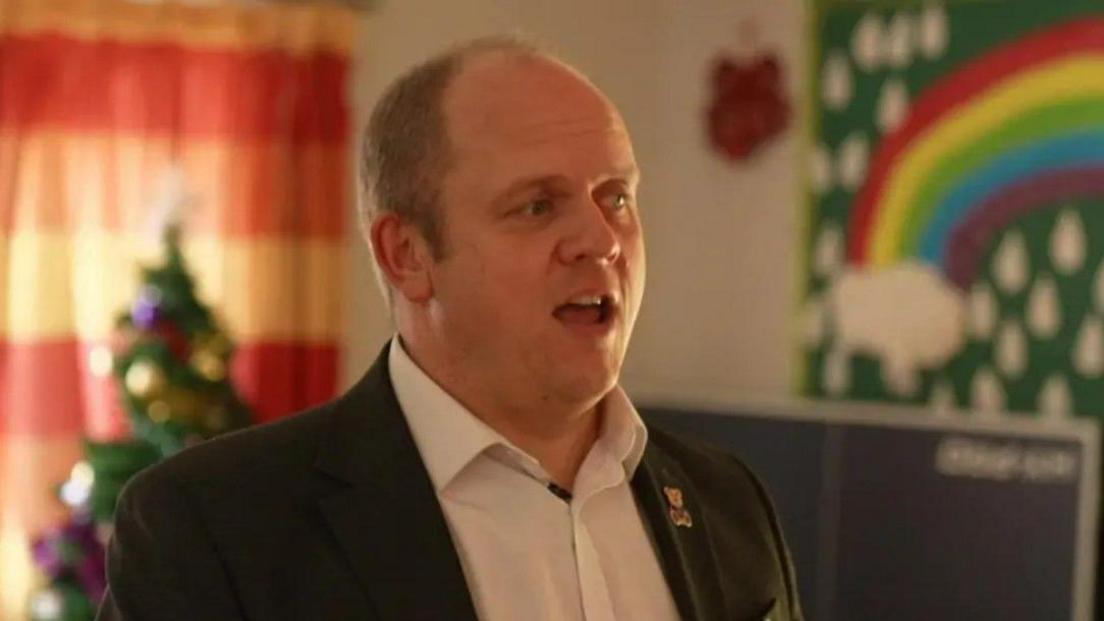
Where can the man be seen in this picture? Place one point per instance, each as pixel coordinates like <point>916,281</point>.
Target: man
<point>488,466</point>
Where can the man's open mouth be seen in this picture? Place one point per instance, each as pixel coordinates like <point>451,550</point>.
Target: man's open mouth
<point>586,310</point>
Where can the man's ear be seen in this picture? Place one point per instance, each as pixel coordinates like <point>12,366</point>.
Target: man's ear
<point>403,256</point>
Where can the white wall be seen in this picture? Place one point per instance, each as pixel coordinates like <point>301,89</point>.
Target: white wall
<point>721,237</point>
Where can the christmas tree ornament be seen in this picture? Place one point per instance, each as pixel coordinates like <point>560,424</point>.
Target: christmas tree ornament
<point>171,336</point>
<point>209,365</point>
<point>47,605</point>
<point>185,404</point>
<point>217,343</point>
<point>73,554</point>
<point>82,473</point>
<point>75,495</point>
<point>159,411</point>
<point>64,601</point>
<point>76,492</point>
<point>144,379</point>
<point>147,310</point>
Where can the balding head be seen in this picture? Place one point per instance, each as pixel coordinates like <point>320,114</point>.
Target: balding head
<point>503,93</point>
<point>406,148</point>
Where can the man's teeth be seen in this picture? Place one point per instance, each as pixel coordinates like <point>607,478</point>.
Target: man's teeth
<point>586,300</point>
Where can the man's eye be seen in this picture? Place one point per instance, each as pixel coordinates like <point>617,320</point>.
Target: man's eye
<point>620,201</point>
<point>537,207</point>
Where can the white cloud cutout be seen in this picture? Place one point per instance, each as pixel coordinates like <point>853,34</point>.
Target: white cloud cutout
<point>907,315</point>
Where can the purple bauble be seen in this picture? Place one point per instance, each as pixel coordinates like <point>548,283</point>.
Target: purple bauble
<point>73,548</point>
<point>47,552</point>
<point>92,573</point>
<point>147,308</point>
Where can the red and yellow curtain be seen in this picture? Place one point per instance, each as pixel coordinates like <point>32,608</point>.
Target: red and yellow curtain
<point>98,98</point>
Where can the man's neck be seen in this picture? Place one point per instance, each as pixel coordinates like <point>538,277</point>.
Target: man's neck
<point>559,436</point>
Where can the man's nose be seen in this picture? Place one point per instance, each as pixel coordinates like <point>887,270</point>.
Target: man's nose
<point>591,235</point>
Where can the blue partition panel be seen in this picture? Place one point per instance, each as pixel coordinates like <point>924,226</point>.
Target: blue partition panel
<point>918,522</point>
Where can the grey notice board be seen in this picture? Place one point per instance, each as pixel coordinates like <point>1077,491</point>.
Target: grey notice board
<point>896,514</point>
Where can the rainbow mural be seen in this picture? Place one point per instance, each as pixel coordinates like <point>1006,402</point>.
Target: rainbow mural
<point>1018,129</point>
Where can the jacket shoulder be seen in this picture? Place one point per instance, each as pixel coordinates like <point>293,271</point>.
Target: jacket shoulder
<point>706,464</point>
<point>272,451</point>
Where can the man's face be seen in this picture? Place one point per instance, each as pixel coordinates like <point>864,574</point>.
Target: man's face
<point>543,269</point>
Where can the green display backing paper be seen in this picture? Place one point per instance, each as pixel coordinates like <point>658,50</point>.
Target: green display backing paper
<point>974,28</point>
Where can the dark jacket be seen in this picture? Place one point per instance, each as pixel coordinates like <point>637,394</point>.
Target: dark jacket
<point>330,514</point>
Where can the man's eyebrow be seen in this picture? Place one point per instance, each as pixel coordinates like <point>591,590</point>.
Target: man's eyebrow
<point>534,181</point>
<point>630,174</point>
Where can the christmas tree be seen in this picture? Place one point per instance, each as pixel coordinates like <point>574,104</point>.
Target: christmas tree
<point>171,359</point>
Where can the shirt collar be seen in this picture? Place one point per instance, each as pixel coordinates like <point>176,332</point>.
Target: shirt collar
<point>449,436</point>
<point>623,430</point>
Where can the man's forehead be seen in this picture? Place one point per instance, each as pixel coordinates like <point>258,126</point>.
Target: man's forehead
<point>515,95</point>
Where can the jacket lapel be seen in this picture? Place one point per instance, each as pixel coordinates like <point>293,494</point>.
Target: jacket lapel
<point>681,535</point>
<point>388,520</point>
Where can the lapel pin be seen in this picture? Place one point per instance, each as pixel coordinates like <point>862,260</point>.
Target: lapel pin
<point>676,510</point>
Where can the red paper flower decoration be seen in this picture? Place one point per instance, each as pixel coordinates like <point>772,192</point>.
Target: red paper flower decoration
<point>749,107</point>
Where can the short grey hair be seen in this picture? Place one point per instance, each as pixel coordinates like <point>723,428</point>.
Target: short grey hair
<point>405,149</point>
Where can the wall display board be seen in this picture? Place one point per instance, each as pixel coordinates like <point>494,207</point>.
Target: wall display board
<point>891,514</point>
<point>955,231</point>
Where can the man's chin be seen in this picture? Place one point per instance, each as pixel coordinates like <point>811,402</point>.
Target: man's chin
<point>587,371</point>
<point>591,383</point>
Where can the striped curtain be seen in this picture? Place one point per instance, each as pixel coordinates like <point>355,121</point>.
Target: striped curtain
<point>98,98</point>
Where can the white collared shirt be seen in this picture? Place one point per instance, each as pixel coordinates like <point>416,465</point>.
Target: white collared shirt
<point>526,553</point>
